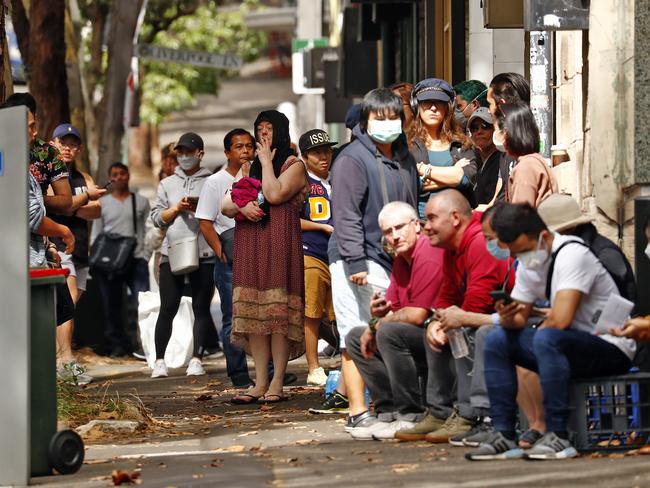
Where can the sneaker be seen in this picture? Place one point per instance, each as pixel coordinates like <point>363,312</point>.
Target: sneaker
<point>390,428</point>
<point>336,403</point>
<point>419,431</point>
<point>317,377</point>
<point>363,426</point>
<point>195,368</point>
<point>159,369</point>
<point>139,354</point>
<point>551,446</point>
<point>496,447</point>
<point>360,424</point>
<point>475,437</point>
<point>213,353</point>
<point>453,426</point>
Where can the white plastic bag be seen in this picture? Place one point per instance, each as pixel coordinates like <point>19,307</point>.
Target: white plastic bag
<point>179,349</point>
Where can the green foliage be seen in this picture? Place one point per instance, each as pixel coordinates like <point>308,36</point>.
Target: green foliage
<point>168,87</point>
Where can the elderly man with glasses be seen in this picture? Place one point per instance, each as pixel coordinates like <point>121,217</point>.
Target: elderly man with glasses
<point>390,352</point>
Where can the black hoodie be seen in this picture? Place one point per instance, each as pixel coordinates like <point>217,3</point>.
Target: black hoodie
<point>357,198</point>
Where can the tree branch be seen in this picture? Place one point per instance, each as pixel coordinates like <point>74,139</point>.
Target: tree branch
<point>21,28</point>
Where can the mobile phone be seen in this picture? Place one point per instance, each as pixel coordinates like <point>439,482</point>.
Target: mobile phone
<point>498,295</point>
<point>108,185</point>
<point>193,200</point>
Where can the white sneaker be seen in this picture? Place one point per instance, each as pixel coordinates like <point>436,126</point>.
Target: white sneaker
<point>387,431</point>
<point>159,369</point>
<point>195,368</point>
<point>317,377</point>
<point>366,433</point>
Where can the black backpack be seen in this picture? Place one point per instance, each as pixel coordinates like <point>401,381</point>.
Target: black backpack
<point>624,278</point>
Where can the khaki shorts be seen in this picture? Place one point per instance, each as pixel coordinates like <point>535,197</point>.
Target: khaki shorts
<point>318,289</point>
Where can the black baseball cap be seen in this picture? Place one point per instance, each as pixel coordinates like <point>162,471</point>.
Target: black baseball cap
<point>64,130</point>
<point>190,140</point>
<point>434,89</point>
<point>314,138</point>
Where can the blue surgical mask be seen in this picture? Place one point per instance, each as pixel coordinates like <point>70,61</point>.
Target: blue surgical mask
<point>384,131</point>
<point>500,253</point>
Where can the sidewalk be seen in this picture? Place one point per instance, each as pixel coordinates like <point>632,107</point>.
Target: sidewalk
<point>202,440</point>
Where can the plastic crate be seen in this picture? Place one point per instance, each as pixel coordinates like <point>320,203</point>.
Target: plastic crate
<point>610,413</point>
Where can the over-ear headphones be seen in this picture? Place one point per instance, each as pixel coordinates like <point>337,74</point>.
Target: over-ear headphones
<point>432,84</point>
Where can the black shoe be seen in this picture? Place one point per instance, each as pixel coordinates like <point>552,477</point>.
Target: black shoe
<point>336,403</point>
<point>289,378</point>
<point>241,380</point>
<point>119,352</point>
<point>139,354</point>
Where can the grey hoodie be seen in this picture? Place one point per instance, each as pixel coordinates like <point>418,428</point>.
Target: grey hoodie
<point>170,191</point>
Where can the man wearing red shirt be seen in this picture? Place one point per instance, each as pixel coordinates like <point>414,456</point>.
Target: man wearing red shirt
<point>463,304</point>
<point>390,353</point>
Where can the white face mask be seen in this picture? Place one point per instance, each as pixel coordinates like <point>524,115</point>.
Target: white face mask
<point>647,250</point>
<point>188,162</point>
<point>497,140</point>
<point>384,131</point>
<point>534,260</point>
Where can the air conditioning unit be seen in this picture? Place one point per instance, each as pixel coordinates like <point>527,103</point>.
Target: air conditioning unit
<point>503,14</point>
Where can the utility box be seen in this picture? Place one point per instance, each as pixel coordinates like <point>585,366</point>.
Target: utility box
<point>503,14</point>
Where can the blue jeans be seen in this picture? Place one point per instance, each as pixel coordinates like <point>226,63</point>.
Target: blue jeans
<point>557,356</point>
<point>235,357</point>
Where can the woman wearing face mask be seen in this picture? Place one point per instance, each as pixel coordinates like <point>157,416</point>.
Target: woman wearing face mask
<point>531,179</point>
<point>444,154</point>
<point>268,276</point>
<point>174,211</point>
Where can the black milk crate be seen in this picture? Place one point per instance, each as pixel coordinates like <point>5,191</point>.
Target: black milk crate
<point>611,412</point>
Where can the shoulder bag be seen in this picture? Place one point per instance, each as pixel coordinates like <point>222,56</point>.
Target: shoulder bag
<point>112,253</point>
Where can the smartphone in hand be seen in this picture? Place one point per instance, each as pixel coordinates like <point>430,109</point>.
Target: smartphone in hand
<point>500,295</point>
<point>108,185</point>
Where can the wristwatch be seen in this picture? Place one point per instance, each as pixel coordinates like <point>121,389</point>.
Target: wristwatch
<point>372,325</point>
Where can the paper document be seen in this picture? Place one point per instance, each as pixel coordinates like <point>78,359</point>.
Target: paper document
<point>378,284</point>
<point>614,314</point>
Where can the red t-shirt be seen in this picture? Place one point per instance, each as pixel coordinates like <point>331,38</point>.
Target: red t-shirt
<point>416,284</point>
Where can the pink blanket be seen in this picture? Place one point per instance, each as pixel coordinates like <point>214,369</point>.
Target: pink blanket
<point>244,191</point>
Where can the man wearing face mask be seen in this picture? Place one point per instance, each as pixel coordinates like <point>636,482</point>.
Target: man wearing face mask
<point>567,344</point>
<point>374,169</point>
<point>470,95</point>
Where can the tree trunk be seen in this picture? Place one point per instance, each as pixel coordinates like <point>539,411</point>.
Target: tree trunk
<point>6,85</point>
<point>21,28</point>
<point>124,16</point>
<point>48,82</point>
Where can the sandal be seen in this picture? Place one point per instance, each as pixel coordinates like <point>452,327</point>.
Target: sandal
<point>271,398</point>
<point>245,399</point>
<point>529,438</point>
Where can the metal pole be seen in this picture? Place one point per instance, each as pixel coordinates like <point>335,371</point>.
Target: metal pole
<point>541,94</point>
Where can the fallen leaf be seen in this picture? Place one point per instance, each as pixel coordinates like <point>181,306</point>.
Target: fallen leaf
<point>645,450</point>
<point>404,468</point>
<point>203,398</point>
<point>100,478</point>
<point>235,448</point>
<point>612,443</point>
<point>377,451</point>
<point>265,408</point>
<point>246,434</point>
<point>198,476</point>
<point>616,455</point>
<point>597,455</point>
<point>97,461</point>
<point>256,448</point>
<point>119,477</point>
<point>633,452</point>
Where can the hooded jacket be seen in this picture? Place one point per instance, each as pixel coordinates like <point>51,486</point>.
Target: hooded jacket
<point>471,273</point>
<point>170,191</point>
<point>358,197</point>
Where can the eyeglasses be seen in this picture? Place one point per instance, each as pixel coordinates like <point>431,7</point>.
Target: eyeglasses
<point>480,125</point>
<point>399,228</point>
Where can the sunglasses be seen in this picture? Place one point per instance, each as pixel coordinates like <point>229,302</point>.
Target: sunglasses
<point>481,125</point>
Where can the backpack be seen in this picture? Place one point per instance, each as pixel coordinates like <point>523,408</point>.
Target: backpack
<point>624,282</point>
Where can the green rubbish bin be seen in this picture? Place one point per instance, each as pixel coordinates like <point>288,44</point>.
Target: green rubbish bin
<point>63,451</point>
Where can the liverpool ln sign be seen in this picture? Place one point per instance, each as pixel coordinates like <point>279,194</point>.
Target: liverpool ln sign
<point>195,58</point>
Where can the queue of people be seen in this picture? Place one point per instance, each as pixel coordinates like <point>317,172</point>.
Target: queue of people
<point>462,285</point>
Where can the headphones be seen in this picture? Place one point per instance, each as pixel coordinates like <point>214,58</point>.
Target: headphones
<point>417,89</point>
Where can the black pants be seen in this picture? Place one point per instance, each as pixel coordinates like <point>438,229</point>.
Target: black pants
<point>171,291</point>
<point>118,334</point>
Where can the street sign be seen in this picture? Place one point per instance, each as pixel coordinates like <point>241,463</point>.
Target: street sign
<point>195,58</point>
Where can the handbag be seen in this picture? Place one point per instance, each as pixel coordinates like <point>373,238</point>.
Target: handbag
<point>227,238</point>
<point>112,253</point>
<point>183,254</point>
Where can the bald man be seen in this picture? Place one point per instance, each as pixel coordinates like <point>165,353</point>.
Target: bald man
<point>463,304</point>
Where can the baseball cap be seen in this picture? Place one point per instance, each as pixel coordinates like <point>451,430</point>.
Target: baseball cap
<point>434,89</point>
<point>481,113</point>
<point>63,130</point>
<point>190,140</point>
<point>314,138</point>
<point>561,212</point>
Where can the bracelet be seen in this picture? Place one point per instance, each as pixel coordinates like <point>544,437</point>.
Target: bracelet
<point>372,325</point>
